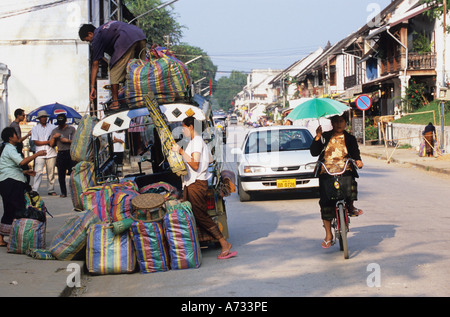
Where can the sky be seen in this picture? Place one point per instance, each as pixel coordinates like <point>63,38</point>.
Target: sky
<point>259,34</point>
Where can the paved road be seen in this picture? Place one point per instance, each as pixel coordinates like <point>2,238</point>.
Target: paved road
<point>398,248</point>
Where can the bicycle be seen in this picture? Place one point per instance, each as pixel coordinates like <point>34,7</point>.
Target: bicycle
<point>339,188</point>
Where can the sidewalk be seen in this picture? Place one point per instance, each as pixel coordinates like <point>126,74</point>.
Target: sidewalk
<point>439,164</point>
<point>23,276</point>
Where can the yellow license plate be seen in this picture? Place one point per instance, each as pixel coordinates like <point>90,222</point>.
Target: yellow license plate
<point>286,183</point>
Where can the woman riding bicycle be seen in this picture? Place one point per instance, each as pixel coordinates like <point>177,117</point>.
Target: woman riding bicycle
<point>333,148</point>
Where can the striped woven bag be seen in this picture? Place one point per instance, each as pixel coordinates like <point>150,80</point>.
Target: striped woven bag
<point>26,234</point>
<point>150,244</point>
<point>108,253</point>
<point>181,234</point>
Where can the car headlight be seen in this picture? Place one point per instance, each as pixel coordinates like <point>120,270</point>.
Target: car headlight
<point>310,166</point>
<point>254,169</point>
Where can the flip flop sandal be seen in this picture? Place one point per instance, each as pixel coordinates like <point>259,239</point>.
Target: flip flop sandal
<point>227,255</point>
<point>328,243</point>
<point>356,212</point>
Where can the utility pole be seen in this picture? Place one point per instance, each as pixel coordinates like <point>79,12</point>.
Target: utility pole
<point>443,75</point>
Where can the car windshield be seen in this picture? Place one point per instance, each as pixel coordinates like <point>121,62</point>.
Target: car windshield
<point>278,140</point>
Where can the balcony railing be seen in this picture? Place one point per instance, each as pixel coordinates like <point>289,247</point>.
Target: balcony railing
<point>416,61</point>
<point>421,61</point>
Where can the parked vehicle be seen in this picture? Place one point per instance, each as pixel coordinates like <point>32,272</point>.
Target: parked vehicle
<point>220,121</point>
<point>233,119</point>
<point>275,158</point>
<point>175,113</point>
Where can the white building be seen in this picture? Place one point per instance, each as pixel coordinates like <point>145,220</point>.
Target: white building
<point>41,50</point>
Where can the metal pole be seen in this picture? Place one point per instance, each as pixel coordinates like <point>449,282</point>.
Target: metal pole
<point>443,75</point>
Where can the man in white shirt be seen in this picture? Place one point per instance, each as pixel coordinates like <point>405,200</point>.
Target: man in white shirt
<point>195,183</point>
<point>40,134</point>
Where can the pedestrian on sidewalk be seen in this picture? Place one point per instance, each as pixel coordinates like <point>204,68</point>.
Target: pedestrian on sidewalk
<point>40,134</point>
<point>429,134</point>
<point>195,184</point>
<point>19,115</point>
<point>62,136</point>
<point>12,179</point>
<point>333,148</point>
<point>121,41</point>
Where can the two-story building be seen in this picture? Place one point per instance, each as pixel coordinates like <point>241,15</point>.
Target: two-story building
<point>257,95</point>
<point>41,56</point>
<point>401,45</point>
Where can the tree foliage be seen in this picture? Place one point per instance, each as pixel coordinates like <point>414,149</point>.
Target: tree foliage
<point>202,67</point>
<point>228,87</point>
<point>157,24</point>
<point>436,9</point>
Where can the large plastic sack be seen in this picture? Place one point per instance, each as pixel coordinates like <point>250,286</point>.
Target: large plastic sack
<point>168,191</point>
<point>26,234</point>
<point>108,253</point>
<point>151,247</point>
<point>82,147</point>
<point>99,199</point>
<point>121,207</point>
<point>163,75</point>
<point>82,177</point>
<point>174,159</point>
<point>181,234</point>
<point>70,241</point>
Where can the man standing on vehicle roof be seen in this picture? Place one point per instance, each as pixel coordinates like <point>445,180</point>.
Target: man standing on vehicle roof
<point>119,40</point>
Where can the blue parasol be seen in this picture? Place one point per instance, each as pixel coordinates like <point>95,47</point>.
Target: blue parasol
<point>53,110</point>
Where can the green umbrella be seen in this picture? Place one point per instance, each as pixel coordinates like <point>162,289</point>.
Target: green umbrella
<point>318,108</point>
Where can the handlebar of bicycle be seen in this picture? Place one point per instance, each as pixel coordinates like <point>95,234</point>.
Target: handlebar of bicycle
<point>343,170</point>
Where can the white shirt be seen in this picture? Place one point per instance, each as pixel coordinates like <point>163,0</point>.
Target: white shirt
<point>41,133</point>
<point>119,147</point>
<point>197,145</point>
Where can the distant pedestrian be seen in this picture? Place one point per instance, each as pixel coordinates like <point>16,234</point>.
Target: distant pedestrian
<point>19,115</point>
<point>119,149</point>
<point>121,41</point>
<point>40,134</point>
<point>429,134</point>
<point>62,136</point>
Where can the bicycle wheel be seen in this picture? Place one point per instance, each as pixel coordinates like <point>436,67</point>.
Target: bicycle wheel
<point>343,231</point>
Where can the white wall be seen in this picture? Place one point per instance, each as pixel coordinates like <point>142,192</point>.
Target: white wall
<point>48,62</point>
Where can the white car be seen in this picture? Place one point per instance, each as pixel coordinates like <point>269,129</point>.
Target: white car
<point>275,158</point>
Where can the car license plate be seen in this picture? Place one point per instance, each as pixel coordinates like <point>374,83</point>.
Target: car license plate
<point>286,183</point>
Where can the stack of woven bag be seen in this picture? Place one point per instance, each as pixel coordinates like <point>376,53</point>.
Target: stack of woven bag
<point>114,237</point>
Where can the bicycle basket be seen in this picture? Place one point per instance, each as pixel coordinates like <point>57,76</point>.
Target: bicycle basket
<point>337,188</point>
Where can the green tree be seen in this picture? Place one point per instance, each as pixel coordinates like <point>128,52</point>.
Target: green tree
<point>157,24</point>
<point>437,9</point>
<point>201,67</point>
<point>228,87</point>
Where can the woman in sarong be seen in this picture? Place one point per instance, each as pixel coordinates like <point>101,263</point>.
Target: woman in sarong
<point>195,183</point>
<point>429,134</point>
